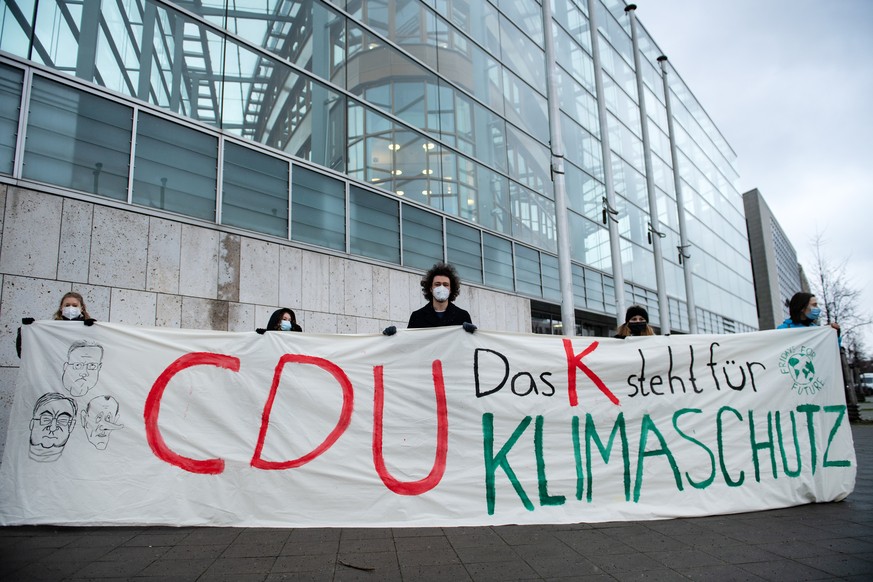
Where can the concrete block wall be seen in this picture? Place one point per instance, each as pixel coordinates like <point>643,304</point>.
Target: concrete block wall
<point>139,269</point>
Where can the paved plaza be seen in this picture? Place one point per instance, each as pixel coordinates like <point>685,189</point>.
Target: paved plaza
<point>829,541</point>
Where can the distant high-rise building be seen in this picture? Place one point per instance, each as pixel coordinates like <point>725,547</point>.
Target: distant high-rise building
<point>777,273</point>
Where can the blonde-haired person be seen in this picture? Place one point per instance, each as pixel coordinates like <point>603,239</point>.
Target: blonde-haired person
<point>636,322</point>
<point>71,308</point>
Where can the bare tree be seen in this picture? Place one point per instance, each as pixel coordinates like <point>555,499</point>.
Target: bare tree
<point>839,299</point>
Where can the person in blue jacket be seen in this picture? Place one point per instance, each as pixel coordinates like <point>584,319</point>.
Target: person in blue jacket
<point>803,311</point>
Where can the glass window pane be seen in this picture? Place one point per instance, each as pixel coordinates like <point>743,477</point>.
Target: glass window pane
<point>551,278</point>
<point>578,103</point>
<point>498,262</point>
<point>464,250</point>
<point>473,69</point>
<point>529,162</point>
<point>594,290</point>
<point>396,159</point>
<point>254,191</point>
<point>525,14</point>
<point>527,271</point>
<point>589,243</point>
<point>476,18</point>
<point>525,107</point>
<point>175,168</point>
<point>186,66</point>
<point>608,294</point>
<point>318,209</point>
<point>521,55</point>
<point>575,60</point>
<point>475,130</point>
<point>633,222</point>
<point>77,140</point>
<point>374,225</point>
<point>117,54</point>
<point>58,42</point>
<point>585,193</point>
<point>422,238</point>
<point>406,22</point>
<point>268,102</point>
<point>533,218</point>
<point>579,300</point>
<point>11,81</point>
<point>303,32</point>
<point>405,88</point>
<point>492,197</point>
<point>582,148</point>
<point>13,38</point>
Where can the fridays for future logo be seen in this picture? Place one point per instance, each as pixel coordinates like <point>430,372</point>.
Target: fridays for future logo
<point>799,364</point>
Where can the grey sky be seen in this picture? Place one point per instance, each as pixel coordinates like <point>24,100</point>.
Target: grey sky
<point>790,85</point>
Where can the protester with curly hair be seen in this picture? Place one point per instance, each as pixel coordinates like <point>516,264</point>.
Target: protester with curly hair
<point>441,286</point>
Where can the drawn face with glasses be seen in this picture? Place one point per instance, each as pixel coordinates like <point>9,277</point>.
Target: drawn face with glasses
<point>82,368</point>
<point>54,416</point>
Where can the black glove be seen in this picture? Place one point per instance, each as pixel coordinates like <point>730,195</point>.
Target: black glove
<point>261,330</point>
<point>89,322</point>
<point>27,320</point>
<point>469,327</point>
<point>390,330</point>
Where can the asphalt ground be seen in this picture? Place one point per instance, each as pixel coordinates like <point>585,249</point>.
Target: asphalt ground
<point>827,541</point>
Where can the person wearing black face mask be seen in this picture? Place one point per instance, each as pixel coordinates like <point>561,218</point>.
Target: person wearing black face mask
<point>636,322</point>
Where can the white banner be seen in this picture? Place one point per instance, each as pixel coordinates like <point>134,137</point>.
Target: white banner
<point>113,424</point>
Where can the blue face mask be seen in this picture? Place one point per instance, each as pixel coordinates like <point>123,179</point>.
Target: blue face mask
<point>285,325</point>
<point>814,313</point>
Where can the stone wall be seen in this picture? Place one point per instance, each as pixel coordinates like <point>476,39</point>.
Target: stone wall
<point>138,268</point>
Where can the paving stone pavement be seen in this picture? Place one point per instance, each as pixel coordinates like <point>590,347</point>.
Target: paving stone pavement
<point>829,541</point>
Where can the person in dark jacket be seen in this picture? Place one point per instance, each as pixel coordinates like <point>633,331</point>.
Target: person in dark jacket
<point>71,308</point>
<point>283,319</point>
<point>441,286</point>
<point>636,322</point>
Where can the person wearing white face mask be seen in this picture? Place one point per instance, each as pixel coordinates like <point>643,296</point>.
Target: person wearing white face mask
<point>71,308</point>
<point>441,286</point>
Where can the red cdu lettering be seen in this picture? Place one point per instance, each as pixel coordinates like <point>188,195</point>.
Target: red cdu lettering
<point>575,361</point>
<point>153,408</point>
<point>442,446</point>
<point>341,425</point>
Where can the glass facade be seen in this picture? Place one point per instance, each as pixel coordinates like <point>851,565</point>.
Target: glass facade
<point>401,131</point>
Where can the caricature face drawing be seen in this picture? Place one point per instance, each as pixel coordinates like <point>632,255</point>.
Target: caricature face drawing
<point>54,416</point>
<point>99,419</point>
<point>82,368</point>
